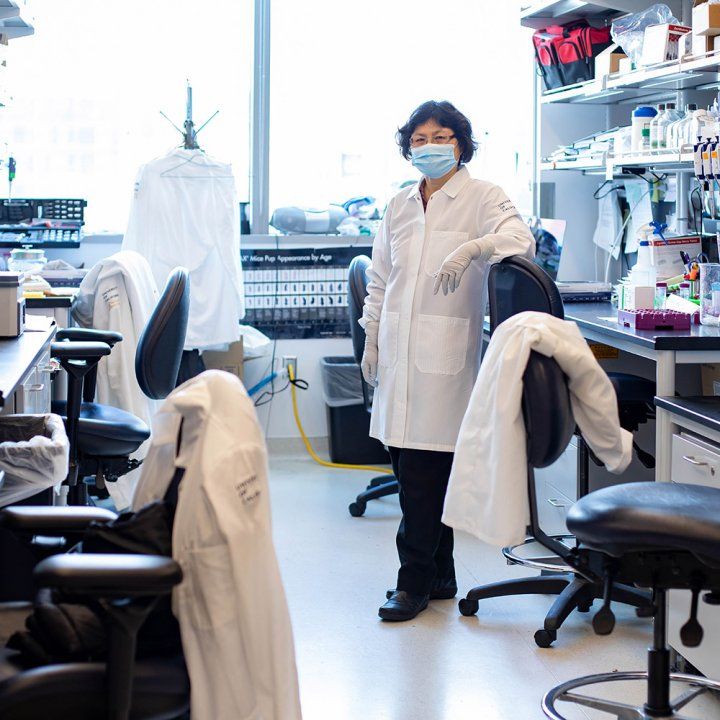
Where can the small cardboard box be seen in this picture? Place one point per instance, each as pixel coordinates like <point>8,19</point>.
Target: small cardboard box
<point>661,43</point>
<point>706,18</point>
<point>608,61</point>
<point>230,360</point>
<point>702,44</point>
<point>637,297</point>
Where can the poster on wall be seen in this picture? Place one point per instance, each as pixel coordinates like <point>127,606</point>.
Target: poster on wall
<point>298,292</point>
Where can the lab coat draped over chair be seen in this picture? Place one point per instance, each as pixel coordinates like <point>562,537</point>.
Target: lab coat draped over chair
<point>185,212</point>
<point>231,606</point>
<point>429,345</point>
<point>119,294</point>
<point>488,495</point>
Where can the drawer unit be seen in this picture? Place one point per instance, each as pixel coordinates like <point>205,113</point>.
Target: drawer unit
<point>695,461</point>
<point>34,396</point>
<point>557,490</point>
<point>553,507</point>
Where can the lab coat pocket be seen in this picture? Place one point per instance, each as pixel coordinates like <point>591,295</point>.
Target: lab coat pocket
<point>440,244</point>
<point>388,338</point>
<point>441,344</point>
<point>208,589</point>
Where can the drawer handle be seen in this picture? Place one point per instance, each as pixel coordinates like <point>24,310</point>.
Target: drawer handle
<point>38,387</point>
<point>693,461</point>
<point>556,503</point>
<point>51,367</point>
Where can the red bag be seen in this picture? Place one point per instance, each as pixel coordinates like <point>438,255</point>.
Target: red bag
<point>565,54</point>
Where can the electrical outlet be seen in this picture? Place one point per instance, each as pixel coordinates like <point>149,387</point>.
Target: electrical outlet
<point>290,360</point>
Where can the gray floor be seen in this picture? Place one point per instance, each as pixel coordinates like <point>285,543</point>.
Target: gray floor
<point>440,666</point>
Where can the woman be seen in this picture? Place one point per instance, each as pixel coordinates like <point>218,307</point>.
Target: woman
<point>422,345</point>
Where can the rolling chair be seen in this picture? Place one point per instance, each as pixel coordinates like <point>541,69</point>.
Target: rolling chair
<point>516,285</point>
<point>659,536</point>
<point>383,485</point>
<point>102,437</point>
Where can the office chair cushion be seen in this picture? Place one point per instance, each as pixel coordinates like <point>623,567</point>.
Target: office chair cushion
<point>160,348</point>
<point>161,690</point>
<point>357,291</point>
<point>105,431</point>
<point>649,516</point>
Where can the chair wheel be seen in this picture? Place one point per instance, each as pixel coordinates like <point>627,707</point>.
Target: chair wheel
<point>645,612</point>
<point>467,607</point>
<point>585,607</point>
<point>357,509</point>
<point>545,638</point>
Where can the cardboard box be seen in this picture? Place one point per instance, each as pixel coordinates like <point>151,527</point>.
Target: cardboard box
<point>637,297</point>
<point>706,18</point>
<point>666,254</point>
<point>230,360</point>
<point>702,44</point>
<point>608,61</point>
<point>661,43</point>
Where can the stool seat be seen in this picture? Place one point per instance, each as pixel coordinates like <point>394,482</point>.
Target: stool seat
<point>632,388</point>
<point>649,516</point>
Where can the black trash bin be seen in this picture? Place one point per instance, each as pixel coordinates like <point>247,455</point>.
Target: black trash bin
<point>348,419</point>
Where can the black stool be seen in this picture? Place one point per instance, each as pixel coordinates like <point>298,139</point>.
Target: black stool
<point>661,536</point>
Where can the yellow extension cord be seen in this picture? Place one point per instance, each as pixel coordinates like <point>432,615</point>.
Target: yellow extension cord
<point>306,441</point>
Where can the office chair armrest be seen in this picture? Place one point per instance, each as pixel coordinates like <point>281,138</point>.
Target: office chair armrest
<point>89,335</point>
<point>79,350</point>
<point>109,576</point>
<point>42,520</point>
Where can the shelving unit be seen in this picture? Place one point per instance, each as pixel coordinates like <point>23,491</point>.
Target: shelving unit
<point>612,165</point>
<point>539,15</point>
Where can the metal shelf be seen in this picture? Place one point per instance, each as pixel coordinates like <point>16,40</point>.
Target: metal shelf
<point>589,165</point>
<point>665,161</point>
<point>540,14</point>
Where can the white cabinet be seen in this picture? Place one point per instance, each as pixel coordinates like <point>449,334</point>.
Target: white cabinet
<point>34,395</point>
<point>696,461</point>
<point>556,488</point>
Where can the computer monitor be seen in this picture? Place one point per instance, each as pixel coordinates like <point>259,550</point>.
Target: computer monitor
<point>549,235</point>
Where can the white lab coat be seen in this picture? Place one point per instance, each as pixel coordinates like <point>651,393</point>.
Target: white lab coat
<point>429,345</point>
<point>487,494</point>
<point>231,606</point>
<point>185,212</point>
<point>119,293</point>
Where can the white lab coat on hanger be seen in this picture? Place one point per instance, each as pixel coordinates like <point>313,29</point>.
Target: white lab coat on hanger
<point>429,345</point>
<point>119,293</point>
<point>185,212</point>
<point>231,606</point>
<point>487,494</point>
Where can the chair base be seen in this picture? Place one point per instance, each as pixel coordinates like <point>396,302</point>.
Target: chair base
<point>624,711</point>
<point>546,563</point>
<point>573,593</point>
<point>379,487</point>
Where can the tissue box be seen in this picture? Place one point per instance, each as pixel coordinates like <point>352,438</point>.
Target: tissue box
<point>706,18</point>
<point>661,43</point>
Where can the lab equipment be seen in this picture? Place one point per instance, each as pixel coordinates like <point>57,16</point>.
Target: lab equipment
<point>663,124</point>
<point>710,293</point>
<point>684,290</point>
<point>642,117</point>
<point>654,319</point>
<point>644,272</point>
<point>12,304</point>
<point>53,222</point>
<point>304,221</point>
<point>27,260</point>
<point>661,291</point>
<point>654,127</point>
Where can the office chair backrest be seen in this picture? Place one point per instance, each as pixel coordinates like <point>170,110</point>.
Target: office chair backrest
<point>516,285</point>
<point>159,351</point>
<point>357,291</point>
<point>549,421</point>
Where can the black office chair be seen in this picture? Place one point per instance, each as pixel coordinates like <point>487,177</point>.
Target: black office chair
<point>660,536</point>
<point>516,285</point>
<point>102,437</point>
<point>383,485</point>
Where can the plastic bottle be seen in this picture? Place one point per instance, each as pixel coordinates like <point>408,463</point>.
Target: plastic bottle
<point>660,295</point>
<point>642,117</point>
<point>668,117</point>
<point>654,126</point>
<point>643,272</point>
<point>681,134</point>
<point>684,291</point>
<point>675,131</point>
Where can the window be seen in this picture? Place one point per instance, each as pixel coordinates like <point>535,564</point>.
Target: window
<point>344,77</point>
<point>88,88</point>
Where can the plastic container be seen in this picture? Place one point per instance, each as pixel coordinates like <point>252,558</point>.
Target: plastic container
<point>661,290</point>
<point>348,419</point>
<point>654,126</point>
<point>684,291</point>
<point>670,116</point>
<point>26,260</point>
<point>710,293</point>
<point>644,272</point>
<point>641,118</point>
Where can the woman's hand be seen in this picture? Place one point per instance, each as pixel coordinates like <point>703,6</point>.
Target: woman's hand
<point>457,262</point>
<point>369,362</point>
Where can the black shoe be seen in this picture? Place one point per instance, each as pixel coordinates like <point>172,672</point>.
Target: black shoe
<point>441,590</point>
<point>403,606</point>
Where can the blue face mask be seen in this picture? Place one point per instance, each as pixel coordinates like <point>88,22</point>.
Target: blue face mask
<point>434,160</point>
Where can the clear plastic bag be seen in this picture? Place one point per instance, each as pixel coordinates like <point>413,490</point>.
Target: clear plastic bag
<point>341,381</point>
<point>629,30</point>
<point>33,455</point>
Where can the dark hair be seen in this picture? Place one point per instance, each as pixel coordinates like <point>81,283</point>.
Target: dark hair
<point>445,114</point>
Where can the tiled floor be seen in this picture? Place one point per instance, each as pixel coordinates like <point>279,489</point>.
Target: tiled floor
<point>440,666</point>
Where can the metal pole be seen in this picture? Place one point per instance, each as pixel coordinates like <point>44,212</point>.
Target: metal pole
<point>260,131</point>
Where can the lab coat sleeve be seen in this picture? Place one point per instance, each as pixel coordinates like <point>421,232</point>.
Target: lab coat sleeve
<point>501,226</point>
<point>379,272</point>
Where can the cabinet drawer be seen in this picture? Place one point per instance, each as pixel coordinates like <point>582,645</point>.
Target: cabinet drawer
<point>553,507</point>
<point>562,474</point>
<point>695,463</point>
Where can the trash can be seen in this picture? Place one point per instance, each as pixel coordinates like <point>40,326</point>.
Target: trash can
<point>33,455</point>
<point>348,419</point>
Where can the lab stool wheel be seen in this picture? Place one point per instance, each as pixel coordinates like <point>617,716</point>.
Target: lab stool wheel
<point>645,612</point>
<point>357,509</point>
<point>468,608</point>
<point>545,638</point>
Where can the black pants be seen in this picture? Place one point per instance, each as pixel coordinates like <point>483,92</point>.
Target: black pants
<point>424,544</point>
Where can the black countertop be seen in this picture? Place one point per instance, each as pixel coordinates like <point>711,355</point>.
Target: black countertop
<point>18,355</point>
<point>49,302</point>
<point>702,410</point>
<point>588,316</point>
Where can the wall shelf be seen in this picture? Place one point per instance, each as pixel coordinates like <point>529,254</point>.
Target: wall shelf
<point>611,166</point>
